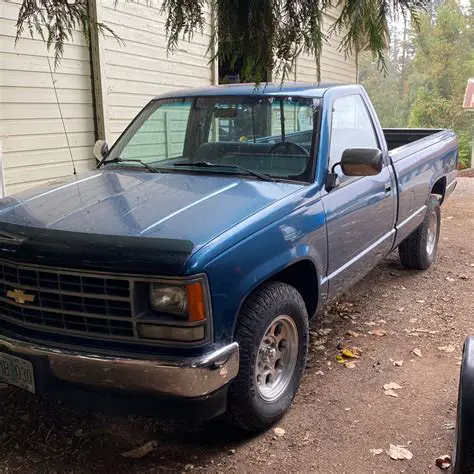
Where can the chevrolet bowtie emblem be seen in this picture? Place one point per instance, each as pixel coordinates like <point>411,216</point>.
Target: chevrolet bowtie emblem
<point>20,296</point>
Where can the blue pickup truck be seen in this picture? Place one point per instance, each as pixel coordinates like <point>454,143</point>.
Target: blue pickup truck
<point>178,278</point>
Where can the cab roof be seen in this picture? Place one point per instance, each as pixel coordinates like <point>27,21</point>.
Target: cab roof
<point>287,89</point>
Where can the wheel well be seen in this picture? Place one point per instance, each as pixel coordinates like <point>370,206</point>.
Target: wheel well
<point>302,276</point>
<point>439,188</point>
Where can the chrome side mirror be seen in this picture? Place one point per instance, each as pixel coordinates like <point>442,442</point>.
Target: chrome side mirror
<point>100,149</point>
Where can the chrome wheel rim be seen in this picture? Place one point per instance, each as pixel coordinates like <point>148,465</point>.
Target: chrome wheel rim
<point>276,358</point>
<point>432,232</point>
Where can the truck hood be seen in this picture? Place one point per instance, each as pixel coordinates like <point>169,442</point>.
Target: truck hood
<point>135,209</point>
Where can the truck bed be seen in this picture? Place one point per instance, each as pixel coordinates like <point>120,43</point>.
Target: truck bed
<point>423,159</point>
<point>397,137</point>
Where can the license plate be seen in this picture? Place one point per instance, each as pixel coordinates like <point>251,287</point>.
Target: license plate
<point>16,371</point>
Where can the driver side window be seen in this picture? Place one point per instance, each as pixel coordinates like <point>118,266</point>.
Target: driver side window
<point>351,127</point>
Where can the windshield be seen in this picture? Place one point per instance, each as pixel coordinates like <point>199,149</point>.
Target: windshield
<point>271,135</point>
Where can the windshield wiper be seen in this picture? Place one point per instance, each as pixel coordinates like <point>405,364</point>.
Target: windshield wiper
<point>206,164</point>
<point>131,160</point>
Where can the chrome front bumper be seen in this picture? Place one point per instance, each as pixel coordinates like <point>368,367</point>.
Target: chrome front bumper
<point>186,377</point>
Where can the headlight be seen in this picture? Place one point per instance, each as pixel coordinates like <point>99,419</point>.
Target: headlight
<point>186,301</point>
<point>169,299</point>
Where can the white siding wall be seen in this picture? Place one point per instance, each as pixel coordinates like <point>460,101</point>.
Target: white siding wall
<point>32,134</point>
<point>334,66</point>
<point>141,69</point>
<point>31,131</point>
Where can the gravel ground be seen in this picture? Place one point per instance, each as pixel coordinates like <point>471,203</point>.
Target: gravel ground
<point>339,414</point>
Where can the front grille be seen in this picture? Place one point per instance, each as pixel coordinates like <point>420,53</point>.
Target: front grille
<point>66,301</point>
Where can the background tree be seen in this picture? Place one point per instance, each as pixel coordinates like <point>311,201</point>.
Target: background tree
<point>436,76</point>
<point>266,35</point>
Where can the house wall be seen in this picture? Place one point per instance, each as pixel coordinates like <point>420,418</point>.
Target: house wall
<point>335,67</point>
<point>32,135</point>
<point>33,141</point>
<point>141,69</point>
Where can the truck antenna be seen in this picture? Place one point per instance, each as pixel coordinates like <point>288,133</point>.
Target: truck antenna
<point>62,118</point>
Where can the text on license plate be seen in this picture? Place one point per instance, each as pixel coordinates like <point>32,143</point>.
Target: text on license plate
<point>16,371</point>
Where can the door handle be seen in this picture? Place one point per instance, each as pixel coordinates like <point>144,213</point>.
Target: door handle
<point>388,188</point>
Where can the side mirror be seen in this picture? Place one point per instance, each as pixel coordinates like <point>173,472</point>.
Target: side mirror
<point>100,149</point>
<point>361,161</point>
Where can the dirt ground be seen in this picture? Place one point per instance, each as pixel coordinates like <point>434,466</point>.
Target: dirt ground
<point>339,414</point>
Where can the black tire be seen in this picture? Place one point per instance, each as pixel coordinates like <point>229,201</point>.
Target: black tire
<point>415,251</point>
<point>245,406</point>
<point>463,450</point>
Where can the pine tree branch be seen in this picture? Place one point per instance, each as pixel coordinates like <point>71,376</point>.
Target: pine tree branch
<point>267,35</point>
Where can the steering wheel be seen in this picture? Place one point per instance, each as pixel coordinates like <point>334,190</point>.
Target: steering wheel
<point>286,146</point>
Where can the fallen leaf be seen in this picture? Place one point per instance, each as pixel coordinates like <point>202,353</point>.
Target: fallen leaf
<point>391,386</point>
<point>420,301</point>
<point>350,365</point>
<point>357,351</point>
<point>349,353</point>
<point>378,332</point>
<point>141,451</point>
<point>279,431</point>
<point>449,348</point>
<point>352,333</point>
<point>417,352</point>
<point>375,452</point>
<point>425,331</point>
<point>399,452</point>
<point>319,372</point>
<point>320,341</point>
<point>324,332</point>
<point>400,310</point>
<point>449,279</point>
<point>340,359</point>
<point>463,277</point>
<point>398,363</point>
<point>443,462</point>
<point>391,393</point>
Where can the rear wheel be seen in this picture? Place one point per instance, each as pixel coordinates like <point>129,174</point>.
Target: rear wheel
<point>272,333</point>
<point>418,250</point>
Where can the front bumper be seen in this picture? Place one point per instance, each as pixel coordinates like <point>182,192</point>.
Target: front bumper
<point>184,377</point>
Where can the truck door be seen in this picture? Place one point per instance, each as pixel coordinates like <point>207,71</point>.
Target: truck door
<point>360,211</point>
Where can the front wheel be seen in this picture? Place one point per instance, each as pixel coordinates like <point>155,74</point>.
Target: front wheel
<point>418,250</point>
<point>272,333</point>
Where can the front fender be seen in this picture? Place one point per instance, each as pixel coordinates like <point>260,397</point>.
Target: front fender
<point>237,271</point>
